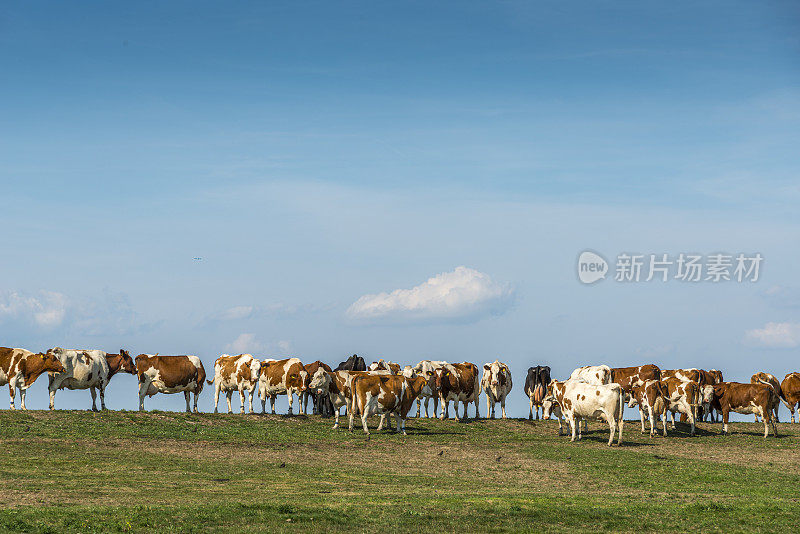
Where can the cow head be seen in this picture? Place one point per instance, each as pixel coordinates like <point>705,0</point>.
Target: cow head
<point>126,364</point>
<point>255,369</point>
<point>320,382</point>
<point>297,377</point>
<point>444,378</point>
<point>717,374</point>
<point>49,362</point>
<point>636,395</point>
<point>706,396</point>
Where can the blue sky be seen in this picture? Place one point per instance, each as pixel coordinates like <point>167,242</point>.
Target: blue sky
<point>313,154</point>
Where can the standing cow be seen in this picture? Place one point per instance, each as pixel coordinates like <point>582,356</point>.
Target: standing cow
<point>496,384</point>
<point>581,400</point>
<point>650,396</point>
<point>19,368</point>
<point>790,391</point>
<point>353,363</point>
<point>384,395</point>
<point>282,377</point>
<point>320,404</point>
<point>170,374</point>
<point>536,387</point>
<point>458,382</point>
<point>769,380</point>
<point>592,374</point>
<point>235,373</point>
<point>427,369</point>
<point>757,399</point>
<point>87,369</point>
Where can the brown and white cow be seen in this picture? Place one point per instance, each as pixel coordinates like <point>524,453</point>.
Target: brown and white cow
<point>755,399</point>
<point>710,378</point>
<point>427,369</point>
<point>582,400</point>
<point>686,375</point>
<point>170,374</point>
<point>235,373</point>
<point>592,374</point>
<point>650,396</point>
<point>319,404</point>
<point>19,368</point>
<point>769,380</point>
<point>382,365</point>
<point>458,382</point>
<point>496,384</point>
<point>682,396</point>
<point>632,377</point>
<point>790,391</point>
<point>282,377</point>
<point>384,395</point>
<point>87,369</point>
<point>337,386</point>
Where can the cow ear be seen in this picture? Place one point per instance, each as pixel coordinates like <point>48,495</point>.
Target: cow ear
<point>487,366</point>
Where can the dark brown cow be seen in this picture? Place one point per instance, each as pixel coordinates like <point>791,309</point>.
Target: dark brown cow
<point>385,395</point>
<point>790,391</point>
<point>320,404</point>
<point>170,374</point>
<point>755,399</point>
<point>769,380</point>
<point>282,377</point>
<point>19,368</point>
<point>458,382</point>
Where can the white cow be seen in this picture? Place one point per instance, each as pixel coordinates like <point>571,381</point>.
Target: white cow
<point>580,400</point>
<point>427,369</point>
<point>592,374</point>
<point>496,383</point>
<point>235,373</point>
<point>87,369</point>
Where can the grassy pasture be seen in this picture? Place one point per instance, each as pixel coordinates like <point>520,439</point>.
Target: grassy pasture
<point>78,471</point>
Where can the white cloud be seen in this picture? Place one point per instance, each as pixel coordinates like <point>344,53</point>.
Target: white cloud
<point>46,310</point>
<point>462,294</point>
<point>775,335</point>
<point>247,343</point>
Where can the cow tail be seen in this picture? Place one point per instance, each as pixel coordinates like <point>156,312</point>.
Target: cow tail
<point>201,377</point>
<point>209,382</point>
<point>354,397</point>
<point>621,404</point>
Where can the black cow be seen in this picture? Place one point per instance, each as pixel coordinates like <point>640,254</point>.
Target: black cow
<point>536,387</point>
<point>353,363</point>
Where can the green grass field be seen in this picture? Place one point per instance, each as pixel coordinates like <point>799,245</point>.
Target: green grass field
<point>160,471</point>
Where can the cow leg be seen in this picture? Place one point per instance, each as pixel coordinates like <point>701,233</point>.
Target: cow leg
<point>766,417</point>
<point>791,409</point>
<point>290,397</point>
<point>612,426</point>
<point>774,428</point>
<point>443,414</point>
<point>580,436</point>
<point>641,417</point>
<point>242,396</point>
<point>530,412</point>
<point>363,423</point>
<point>52,391</point>
<point>228,395</point>
<point>725,414</point>
<point>23,392</point>
<point>264,404</point>
<point>142,394</point>
<point>188,396</point>
<point>216,396</point>
<point>672,415</point>
<point>572,422</point>
<point>11,393</point>
<point>196,394</point>
<point>252,394</point>
<point>620,424</point>
<point>272,403</point>
<point>382,421</point>
<point>102,388</point>
<point>94,399</point>
<point>503,406</point>
<point>489,407</point>
<point>652,421</point>
<point>336,420</point>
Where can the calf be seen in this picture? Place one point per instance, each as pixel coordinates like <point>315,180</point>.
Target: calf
<point>235,373</point>
<point>682,396</point>
<point>458,382</point>
<point>536,387</point>
<point>581,400</point>
<point>755,399</point>
<point>353,363</point>
<point>170,374</point>
<point>790,391</point>
<point>427,369</point>
<point>282,377</point>
<point>382,365</point>
<point>592,374</point>
<point>320,404</point>
<point>496,384</point>
<point>769,380</point>
<point>650,398</point>
<point>384,395</point>
<point>19,369</point>
<point>87,369</point>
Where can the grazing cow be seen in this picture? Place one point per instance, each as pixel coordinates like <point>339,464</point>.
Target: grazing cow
<point>427,369</point>
<point>170,374</point>
<point>650,398</point>
<point>769,380</point>
<point>581,400</point>
<point>320,404</point>
<point>235,373</point>
<point>87,369</point>
<point>19,368</point>
<point>755,399</point>
<point>790,391</point>
<point>353,363</point>
<point>684,397</point>
<point>458,382</point>
<point>592,374</point>
<point>382,365</point>
<point>496,384</point>
<point>536,387</point>
<point>282,377</point>
<point>384,395</point>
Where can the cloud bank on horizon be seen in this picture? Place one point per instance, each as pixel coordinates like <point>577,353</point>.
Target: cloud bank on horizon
<point>775,336</point>
<point>461,295</point>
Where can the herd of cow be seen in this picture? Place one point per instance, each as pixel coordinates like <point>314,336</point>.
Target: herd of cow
<point>385,388</point>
